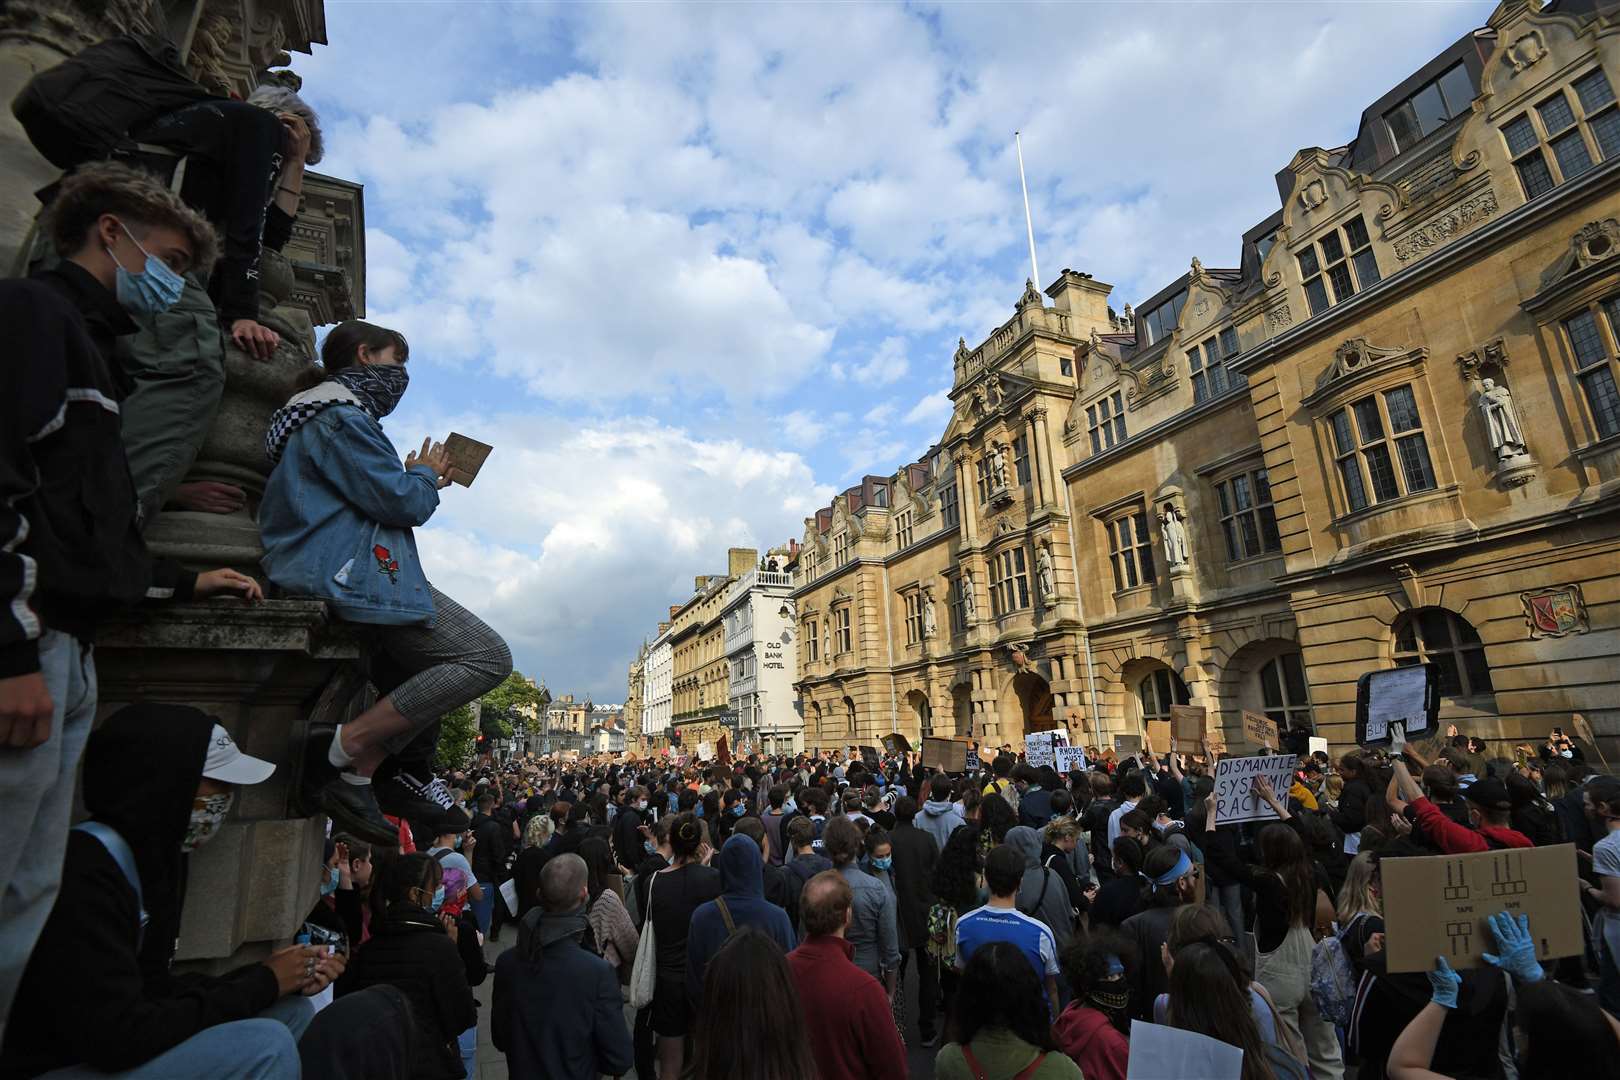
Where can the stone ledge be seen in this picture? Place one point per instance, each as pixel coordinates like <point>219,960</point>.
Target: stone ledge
<point>277,625</point>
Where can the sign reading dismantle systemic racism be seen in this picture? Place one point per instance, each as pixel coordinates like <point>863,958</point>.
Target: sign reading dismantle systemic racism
<point>1235,798</point>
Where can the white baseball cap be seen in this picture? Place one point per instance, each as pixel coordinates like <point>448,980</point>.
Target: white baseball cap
<point>229,765</point>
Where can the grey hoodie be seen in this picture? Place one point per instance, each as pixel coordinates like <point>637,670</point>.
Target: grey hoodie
<point>1052,908</point>
<point>939,818</point>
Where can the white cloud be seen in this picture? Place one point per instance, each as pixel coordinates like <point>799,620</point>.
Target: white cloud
<point>932,411</point>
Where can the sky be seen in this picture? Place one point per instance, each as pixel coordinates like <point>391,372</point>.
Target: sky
<point>694,268</point>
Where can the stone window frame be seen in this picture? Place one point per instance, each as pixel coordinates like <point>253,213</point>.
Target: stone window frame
<point>1461,643</point>
<point>1168,688</point>
<point>1594,119</point>
<point>1604,308</point>
<point>911,596</point>
<point>1341,255</point>
<point>1021,458</point>
<point>1009,580</point>
<point>843,628</point>
<point>1208,362</point>
<point>809,632</point>
<point>950,506</point>
<point>1132,552</point>
<point>841,549</point>
<point>1105,421</point>
<point>1408,367</point>
<point>1286,711</point>
<point>905,522</point>
<point>956,599</point>
<point>982,479</point>
<point>1225,486</point>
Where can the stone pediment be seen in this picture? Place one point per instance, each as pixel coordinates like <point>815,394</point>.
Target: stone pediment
<point>1356,358</point>
<point>1595,242</point>
<point>992,393</point>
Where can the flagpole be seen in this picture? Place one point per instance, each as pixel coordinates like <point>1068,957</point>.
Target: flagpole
<point>1029,224</point>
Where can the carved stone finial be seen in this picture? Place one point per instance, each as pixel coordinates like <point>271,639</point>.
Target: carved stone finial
<point>1031,297</point>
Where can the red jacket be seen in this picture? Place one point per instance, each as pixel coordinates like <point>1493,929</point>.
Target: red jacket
<point>1455,839</point>
<point>1096,1045</point>
<point>847,1013</point>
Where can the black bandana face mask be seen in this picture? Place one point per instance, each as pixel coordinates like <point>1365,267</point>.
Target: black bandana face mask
<point>378,386</point>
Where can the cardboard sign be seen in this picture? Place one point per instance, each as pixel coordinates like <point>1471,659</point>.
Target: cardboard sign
<point>897,744</point>
<point>1158,1051</point>
<point>946,755</point>
<point>466,458</point>
<point>870,755</point>
<point>1260,729</point>
<point>1127,744</point>
<point>1069,758</point>
<point>1409,696</point>
<point>704,751</point>
<point>1038,746</point>
<point>1318,744</point>
<point>970,761</point>
<point>1215,735</point>
<point>1235,800</point>
<point>1158,735</point>
<point>1187,725</point>
<point>1437,905</point>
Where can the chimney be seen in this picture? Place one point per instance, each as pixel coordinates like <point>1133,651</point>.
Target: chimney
<point>1085,298</point>
<point>740,561</point>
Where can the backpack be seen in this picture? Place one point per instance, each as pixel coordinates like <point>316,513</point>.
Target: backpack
<point>941,943</point>
<point>1333,977</point>
<point>86,107</point>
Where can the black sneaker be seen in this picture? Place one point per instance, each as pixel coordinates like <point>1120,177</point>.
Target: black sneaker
<point>431,804</point>
<point>353,809</point>
<point>315,772</point>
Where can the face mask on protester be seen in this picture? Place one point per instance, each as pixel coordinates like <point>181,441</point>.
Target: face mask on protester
<point>884,863</point>
<point>154,290</point>
<point>642,805</point>
<point>438,898</point>
<point>329,883</point>
<point>207,814</point>
<point>378,386</point>
<point>649,847</point>
<point>456,843</point>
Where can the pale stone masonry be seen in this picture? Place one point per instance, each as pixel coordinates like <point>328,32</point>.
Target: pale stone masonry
<point>1269,479</point>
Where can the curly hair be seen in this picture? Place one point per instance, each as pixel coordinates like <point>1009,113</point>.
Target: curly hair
<point>279,99</point>
<point>136,199</point>
<point>956,874</point>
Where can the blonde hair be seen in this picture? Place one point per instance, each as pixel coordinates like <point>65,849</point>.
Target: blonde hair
<point>1062,828</point>
<point>136,198</point>
<point>1356,897</point>
<point>539,830</point>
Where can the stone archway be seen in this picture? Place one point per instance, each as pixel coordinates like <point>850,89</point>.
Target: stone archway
<point>962,708</point>
<point>1026,706</point>
<point>919,715</point>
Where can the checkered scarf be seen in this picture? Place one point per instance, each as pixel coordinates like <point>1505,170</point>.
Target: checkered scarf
<point>300,410</point>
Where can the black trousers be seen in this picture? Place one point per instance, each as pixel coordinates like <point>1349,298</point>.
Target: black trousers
<point>927,988</point>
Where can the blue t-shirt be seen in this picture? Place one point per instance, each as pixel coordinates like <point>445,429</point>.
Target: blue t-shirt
<point>455,860</point>
<point>981,926</point>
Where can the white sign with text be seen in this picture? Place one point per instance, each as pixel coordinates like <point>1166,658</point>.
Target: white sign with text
<point>1235,799</point>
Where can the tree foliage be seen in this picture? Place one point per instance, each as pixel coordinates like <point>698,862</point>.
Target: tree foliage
<point>458,738</point>
<point>497,706</point>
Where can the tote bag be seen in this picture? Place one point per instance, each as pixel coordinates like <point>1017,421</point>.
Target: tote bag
<point>644,976</point>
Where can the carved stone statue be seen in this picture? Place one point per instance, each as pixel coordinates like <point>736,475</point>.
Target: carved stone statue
<point>930,626</point>
<point>1501,420</point>
<point>970,613</point>
<point>998,466</point>
<point>826,641</point>
<point>1173,528</point>
<point>993,390</point>
<point>1045,575</point>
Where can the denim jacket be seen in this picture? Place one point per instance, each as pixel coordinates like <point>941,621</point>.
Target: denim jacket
<point>336,520</point>
<point>873,930</point>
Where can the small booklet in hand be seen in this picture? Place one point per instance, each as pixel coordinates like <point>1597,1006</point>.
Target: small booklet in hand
<point>466,458</point>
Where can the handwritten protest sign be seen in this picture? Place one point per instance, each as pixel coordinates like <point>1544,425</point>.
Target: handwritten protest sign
<point>1409,696</point>
<point>1070,758</point>
<point>1260,729</point>
<point>897,743</point>
<point>970,761</point>
<point>1318,744</point>
<point>466,458</point>
<point>705,751</point>
<point>1187,725</point>
<point>1235,800</point>
<point>1038,746</point>
<point>1437,905</point>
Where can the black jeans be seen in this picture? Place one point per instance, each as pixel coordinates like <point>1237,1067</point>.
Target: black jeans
<point>927,988</point>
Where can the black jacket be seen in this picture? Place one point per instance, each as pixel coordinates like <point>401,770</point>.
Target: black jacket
<point>627,837</point>
<point>89,995</point>
<point>412,952</point>
<point>67,503</point>
<point>557,1012</point>
<point>915,853</point>
<point>489,853</point>
<point>1351,816</point>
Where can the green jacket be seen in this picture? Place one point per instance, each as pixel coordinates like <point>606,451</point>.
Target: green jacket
<point>1002,1054</point>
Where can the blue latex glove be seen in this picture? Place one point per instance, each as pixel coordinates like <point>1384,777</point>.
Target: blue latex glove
<point>1518,948</point>
<point>1444,983</point>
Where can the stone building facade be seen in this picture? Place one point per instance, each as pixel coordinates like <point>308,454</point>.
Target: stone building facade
<point>634,686</point>
<point>761,643</point>
<point>1389,434</point>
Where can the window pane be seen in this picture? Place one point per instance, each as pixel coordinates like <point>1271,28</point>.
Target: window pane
<point>1606,130</point>
<point>1341,432</point>
<point>1382,472</point>
<point>1436,630</point>
<point>1161,688</point>
<point>1520,135</point>
<point>1370,424</point>
<point>1119,580</point>
<point>1233,552</point>
<point>1270,540</point>
<point>1140,521</point>
<point>1458,90</point>
<point>1450,680</point>
<point>1479,672</point>
<point>1355,231</point>
<point>1403,414</point>
<point>1414,450</point>
<point>1119,426</point>
<point>1556,115</point>
<point>1195,360</point>
<point>1594,91</point>
<point>1096,443</point>
<point>1332,249</point>
<point>1200,387</point>
<point>1585,339</point>
<point>1405,641</point>
<point>1251,535</point>
<point>1354,490</point>
<point>1144,558</point>
<point>1262,486</point>
<point>1220,494</point>
<point>1294,678</point>
<point>1343,287</point>
<point>1366,267</point>
<point>1430,108</point>
<point>1403,125</point>
<point>1535,175</point>
<point>1271,686</point>
<point>1603,399</point>
<point>1240,492</point>
<point>1316,293</point>
<point>1308,266</point>
<point>1573,157</point>
<point>1175,310</point>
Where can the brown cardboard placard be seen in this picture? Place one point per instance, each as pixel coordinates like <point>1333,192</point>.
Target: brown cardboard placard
<point>1437,905</point>
<point>1260,729</point>
<point>1158,733</point>
<point>1187,725</point>
<point>1127,744</point>
<point>1215,735</point>
<point>946,755</point>
<point>466,458</point>
<point>896,743</point>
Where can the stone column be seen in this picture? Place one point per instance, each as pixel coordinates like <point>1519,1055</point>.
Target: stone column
<point>965,502</point>
<point>1043,439</point>
<point>1037,463</point>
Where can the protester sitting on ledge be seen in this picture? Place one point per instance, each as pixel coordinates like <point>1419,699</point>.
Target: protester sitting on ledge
<point>336,523</point>
<point>70,548</point>
<point>98,996</point>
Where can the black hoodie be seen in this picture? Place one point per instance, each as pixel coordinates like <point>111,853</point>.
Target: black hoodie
<point>141,770</point>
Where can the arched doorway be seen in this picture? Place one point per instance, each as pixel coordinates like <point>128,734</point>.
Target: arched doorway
<point>920,713</point>
<point>962,708</point>
<point>1026,706</point>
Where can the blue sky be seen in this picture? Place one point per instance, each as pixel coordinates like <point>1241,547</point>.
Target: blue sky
<point>692,268</point>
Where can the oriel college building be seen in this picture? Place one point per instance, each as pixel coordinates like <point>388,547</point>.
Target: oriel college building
<point>1388,433</point>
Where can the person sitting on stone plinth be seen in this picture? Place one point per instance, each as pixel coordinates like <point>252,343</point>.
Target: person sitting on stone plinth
<point>336,524</point>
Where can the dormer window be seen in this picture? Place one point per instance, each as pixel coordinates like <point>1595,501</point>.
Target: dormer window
<point>1342,259</point>
<point>1207,363</point>
<point>1162,321</point>
<point>1428,110</point>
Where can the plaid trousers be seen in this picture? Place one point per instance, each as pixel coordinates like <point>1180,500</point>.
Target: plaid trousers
<point>450,663</point>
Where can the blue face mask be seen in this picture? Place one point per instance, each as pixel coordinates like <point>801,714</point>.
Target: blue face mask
<point>154,290</point>
<point>738,810</point>
<point>883,863</point>
<point>438,898</point>
<point>456,843</point>
<point>329,883</point>
<point>649,847</point>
